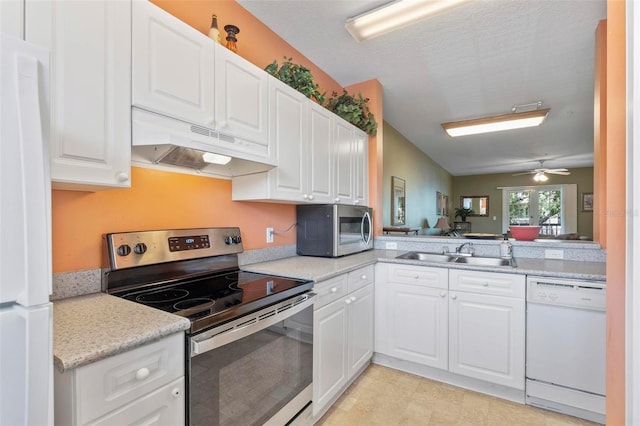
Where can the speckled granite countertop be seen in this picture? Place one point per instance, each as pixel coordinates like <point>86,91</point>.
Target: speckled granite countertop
<point>92,327</point>
<point>320,269</point>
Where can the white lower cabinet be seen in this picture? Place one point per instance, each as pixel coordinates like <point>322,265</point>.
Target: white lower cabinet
<point>342,334</point>
<point>487,331</point>
<point>411,313</point>
<point>470,323</point>
<point>141,386</point>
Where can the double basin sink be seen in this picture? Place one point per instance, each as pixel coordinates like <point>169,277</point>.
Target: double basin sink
<point>457,258</point>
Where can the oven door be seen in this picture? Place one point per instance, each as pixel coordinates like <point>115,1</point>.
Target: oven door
<point>254,370</point>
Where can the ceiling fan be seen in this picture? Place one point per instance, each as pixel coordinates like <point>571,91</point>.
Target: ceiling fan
<point>539,174</point>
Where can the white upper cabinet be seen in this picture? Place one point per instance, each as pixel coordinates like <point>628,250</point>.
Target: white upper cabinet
<point>321,158</point>
<point>288,127</point>
<point>241,99</point>
<point>179,72</point>
<point>320,169</point>
<point>361,168</point>
<point>173,66</point>
<point>90,133</point>
<point>12,17</point>
<point>343,148</point>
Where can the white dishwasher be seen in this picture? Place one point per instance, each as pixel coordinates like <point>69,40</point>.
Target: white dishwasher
<point>566,350</point>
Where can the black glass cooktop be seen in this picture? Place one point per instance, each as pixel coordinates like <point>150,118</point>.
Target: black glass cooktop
<point>218,295</point>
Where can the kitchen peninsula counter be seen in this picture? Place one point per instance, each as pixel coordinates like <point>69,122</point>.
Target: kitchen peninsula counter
<point>89,328</point>
<point>319,268</point>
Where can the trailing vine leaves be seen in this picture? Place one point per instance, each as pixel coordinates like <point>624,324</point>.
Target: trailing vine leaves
<point>354,110</point>
<point>298,77</point>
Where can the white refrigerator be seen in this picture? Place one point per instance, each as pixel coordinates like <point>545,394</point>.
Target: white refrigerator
<point>26,359</point>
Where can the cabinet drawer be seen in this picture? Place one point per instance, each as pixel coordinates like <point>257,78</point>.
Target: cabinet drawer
<point>509,285</point>
<point>360,278</point>
<point>165,406</point>
<point>419,275</point>
<point>330,290</point>
<point>113,382</point>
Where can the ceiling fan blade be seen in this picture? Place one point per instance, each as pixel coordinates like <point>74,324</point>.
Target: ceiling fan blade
<point>558,172</point>
<point>525,173</point>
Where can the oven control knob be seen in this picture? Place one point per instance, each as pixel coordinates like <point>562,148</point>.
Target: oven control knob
<point>237,239</point>
<point>140,248</point>
<point>123,250</point>
<point>228,240</point>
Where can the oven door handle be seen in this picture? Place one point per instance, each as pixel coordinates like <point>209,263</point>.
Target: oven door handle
<point>249,324</point>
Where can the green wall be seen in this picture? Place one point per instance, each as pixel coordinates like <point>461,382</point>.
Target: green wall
<point>488,184</point>
<point>423,176</point>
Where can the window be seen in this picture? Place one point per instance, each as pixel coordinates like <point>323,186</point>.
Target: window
<point>553,207</point>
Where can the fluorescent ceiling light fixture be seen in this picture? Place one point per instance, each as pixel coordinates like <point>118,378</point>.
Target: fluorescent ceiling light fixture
<point>209,157</point>
<point>393,16</point>
<point>516,120</point>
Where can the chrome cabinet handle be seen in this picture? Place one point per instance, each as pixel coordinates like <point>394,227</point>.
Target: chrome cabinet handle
<point>334,290</point>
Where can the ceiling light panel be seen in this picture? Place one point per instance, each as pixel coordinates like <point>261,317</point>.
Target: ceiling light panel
<point>497,123</point>
<point>395,15</point>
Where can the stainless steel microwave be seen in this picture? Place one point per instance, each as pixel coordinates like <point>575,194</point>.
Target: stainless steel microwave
<point>333,230</point>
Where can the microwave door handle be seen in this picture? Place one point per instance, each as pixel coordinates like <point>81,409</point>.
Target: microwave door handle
<point>367,218</point>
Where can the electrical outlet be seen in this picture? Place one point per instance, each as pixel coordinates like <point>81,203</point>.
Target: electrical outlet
<point>554,254</point>
<point>269,235</point>
<point>391,246</point>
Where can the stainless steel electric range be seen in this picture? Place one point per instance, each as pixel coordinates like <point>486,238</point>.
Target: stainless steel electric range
<point>249,349</point>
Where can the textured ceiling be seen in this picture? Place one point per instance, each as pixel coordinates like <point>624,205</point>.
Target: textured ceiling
<point>477,59</point>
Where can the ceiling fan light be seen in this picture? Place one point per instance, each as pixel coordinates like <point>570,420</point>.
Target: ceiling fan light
<point>496,123</point>
<point>393,16</point>
<point>540,177</point>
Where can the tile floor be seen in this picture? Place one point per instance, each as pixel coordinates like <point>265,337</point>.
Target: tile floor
<point>384,396</point>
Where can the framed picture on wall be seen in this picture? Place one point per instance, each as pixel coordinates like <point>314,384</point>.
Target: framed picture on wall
<point>438,203</point>
<point>445,205</point>
<point>587,201</point>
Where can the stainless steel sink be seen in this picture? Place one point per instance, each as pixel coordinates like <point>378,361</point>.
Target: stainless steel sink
<point>484,261</point>
<point>453,258</point>
<point>429,257</point>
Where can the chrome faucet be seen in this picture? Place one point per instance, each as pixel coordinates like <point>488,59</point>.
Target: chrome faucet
<point>459,249</point>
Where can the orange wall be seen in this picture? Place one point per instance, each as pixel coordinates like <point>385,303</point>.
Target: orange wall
<point>616,207</point>
<point>166,200</point>
<point>156,200</point>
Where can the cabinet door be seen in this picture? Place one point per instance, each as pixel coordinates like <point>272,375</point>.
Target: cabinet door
<point>417,327</point>
<point>164,406</point>
<point>320,167</point>
<point>330,370</point>
<point>173,70</point>
<point>360,346</point>
<point>486,337</point>
<point>12,17</point>
<point>343,153</point>
<point>288,117</point>
<point>241,102</point>
<point>90,102</point>
<point>361,168</point>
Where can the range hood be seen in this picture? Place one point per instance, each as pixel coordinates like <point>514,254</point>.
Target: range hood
<point>167,143</point>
